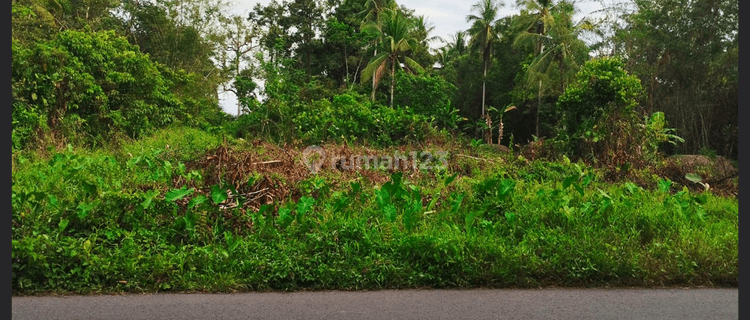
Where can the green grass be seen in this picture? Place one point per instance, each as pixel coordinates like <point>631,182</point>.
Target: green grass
<point>97,221</point>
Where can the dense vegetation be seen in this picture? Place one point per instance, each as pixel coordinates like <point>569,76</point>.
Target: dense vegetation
<point>543,159</point>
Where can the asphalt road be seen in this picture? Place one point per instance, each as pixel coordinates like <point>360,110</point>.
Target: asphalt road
<point>394,304</point>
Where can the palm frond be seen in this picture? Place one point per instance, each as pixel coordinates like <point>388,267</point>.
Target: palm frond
<point>373,66</point>
<point>413,65</point>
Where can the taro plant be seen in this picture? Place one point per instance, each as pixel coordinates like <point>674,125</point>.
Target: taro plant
<point>395,200</point>
<point>491,195</point>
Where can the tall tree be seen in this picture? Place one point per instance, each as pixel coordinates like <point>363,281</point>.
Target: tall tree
<point>562,51</point>
<point>686,53</point>
<point>305,19</point>
<point>451,50</point>
<point>536,18</point>
<point>274,40</point>
<point>233,58</point>
<point>396,36</point>
<point>422,30</point>
<point>458,43</point>
<point>372,17</point>
<point>484,36</point>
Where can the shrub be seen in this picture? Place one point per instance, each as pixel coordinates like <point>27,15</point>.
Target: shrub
<point>93,82</point>
<point>428,96</point>
<point>602,118</point>
<point>345,118</point>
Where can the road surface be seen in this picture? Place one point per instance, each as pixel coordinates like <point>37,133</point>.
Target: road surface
<point>394,304</point>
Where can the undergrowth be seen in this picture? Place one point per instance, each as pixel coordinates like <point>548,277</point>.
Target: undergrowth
<point>142,219</point>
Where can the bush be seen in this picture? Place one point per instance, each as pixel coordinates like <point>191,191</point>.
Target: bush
<point>428,96</point>
<point>603,121</point>
<point>92,83</point>
<point>345,118</point>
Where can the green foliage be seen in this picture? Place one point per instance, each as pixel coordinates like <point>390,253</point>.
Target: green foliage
<point>397,39</point>
<point>429,96</point>
<point>91,222</point>
<point>686,55</point>
<point>397,199</point>
<point>177,194</point>
<point>137,215</point>
<point>603,88</point>
<point>97,80</point>
<point>484,35</point>
<point>602,118</point>
<point>348,117</point>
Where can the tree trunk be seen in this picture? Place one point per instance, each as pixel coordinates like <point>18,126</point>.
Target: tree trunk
<point>346,64</point>
<point>372,96</point>
<point>539,97</point>
<point>393,79</point>
<point>484,83</point>
<point>538,106</point>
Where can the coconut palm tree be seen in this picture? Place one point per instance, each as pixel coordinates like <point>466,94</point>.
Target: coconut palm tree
<point>372,19</point>
<point>555,38</point>
<point>536,23</point>
<point>396,36</point>
<point>451,50</point>
<point>563,48</point>
<point>483,36</point>
<point>458,45</point>
<point>422,30</point>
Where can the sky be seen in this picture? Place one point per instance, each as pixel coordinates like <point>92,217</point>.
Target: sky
<point>447,16</point>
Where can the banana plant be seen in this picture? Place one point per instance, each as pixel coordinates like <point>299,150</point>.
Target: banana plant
<point>500,124</point>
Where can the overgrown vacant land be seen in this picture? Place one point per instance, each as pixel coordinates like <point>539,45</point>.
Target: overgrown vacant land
<point>184,210</point>
<point>536,149</point>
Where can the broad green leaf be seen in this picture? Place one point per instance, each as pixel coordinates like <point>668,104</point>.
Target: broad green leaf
<point>450,179</point>
<point>506,186</point>
<point>356,187</point>
<point>587,180</point>
<point>579,189</point>
<point>194,202</point>
<point>432,203</point>
<point>285,217</point>
<point>62,225</point>
<point>383,197</point>
<point>148,198</point>
<point>457,203</point>
<point>700,199</point>
<point>218,195</point>
<point>390,212</point>
<point>177,194</point>
<point>510,216</point>
<point>83,209</point>
<point>167,166</point>
<point>304,205</point>
<point>664,185</point>
<point>632,188</point>
<point>693,177</point>
<point>52,200</point>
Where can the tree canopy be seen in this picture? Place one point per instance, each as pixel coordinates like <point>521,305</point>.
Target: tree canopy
<point>74,63</point>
